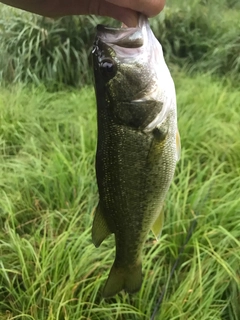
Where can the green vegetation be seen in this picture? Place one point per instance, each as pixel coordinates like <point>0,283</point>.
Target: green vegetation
<point>49,268</point>
<point>202,34</point>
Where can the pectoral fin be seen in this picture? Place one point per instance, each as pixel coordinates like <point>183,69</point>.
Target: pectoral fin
<point>100,229</point>
<point>178,144</point>
<point>158,225</point>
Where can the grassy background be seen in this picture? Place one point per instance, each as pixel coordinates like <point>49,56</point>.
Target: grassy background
<point>203,35</point>
<point>49,268</point>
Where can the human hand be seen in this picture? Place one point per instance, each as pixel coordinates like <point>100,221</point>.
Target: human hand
<point>127,11</point>
<point>122,10</point>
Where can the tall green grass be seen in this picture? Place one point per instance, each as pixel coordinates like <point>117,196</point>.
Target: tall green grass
<point>35,49</point>
<point>49,268</point>
<point>204,35</point>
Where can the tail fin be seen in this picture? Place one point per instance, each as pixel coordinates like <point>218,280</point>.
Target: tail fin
<point>127,278</point>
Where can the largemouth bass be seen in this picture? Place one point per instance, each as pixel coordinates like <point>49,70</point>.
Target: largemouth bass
<point>138,145</point>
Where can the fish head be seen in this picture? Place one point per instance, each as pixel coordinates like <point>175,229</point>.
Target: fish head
<point>121,61</point>
<point>130,72</point>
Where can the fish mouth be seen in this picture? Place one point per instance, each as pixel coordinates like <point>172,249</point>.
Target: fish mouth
<point>125,37</point>
<point>122,37</point>
<point>124,45</point>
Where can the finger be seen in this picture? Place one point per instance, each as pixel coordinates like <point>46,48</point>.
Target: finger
<point>127,16</point>
<point>57,8</point>
<point>103,8</point>
<point>148,7</point>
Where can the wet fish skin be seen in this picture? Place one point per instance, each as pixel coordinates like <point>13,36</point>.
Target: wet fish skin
<point>138,145</point>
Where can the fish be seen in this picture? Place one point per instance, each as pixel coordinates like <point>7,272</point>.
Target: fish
<point>138,145</point>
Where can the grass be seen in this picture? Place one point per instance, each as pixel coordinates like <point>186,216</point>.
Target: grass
<point>202,34</point>
<point>50,270</point>
<point>37,49</point>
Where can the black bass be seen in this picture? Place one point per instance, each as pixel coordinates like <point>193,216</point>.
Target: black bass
<point>138,145</point>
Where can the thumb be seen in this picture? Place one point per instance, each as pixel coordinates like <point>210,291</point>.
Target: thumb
<point>105,8</point>
<point>148,7</point>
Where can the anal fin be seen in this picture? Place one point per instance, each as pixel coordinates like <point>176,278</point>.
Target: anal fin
<point>158,225</point>
<point>100,229</point>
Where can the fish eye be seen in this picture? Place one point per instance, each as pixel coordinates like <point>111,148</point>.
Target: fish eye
<point>108,68</point>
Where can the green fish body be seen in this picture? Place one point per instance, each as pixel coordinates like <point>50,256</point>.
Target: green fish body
<point>138,145</point>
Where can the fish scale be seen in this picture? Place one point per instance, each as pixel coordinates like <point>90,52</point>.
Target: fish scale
<point>138,145</point>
